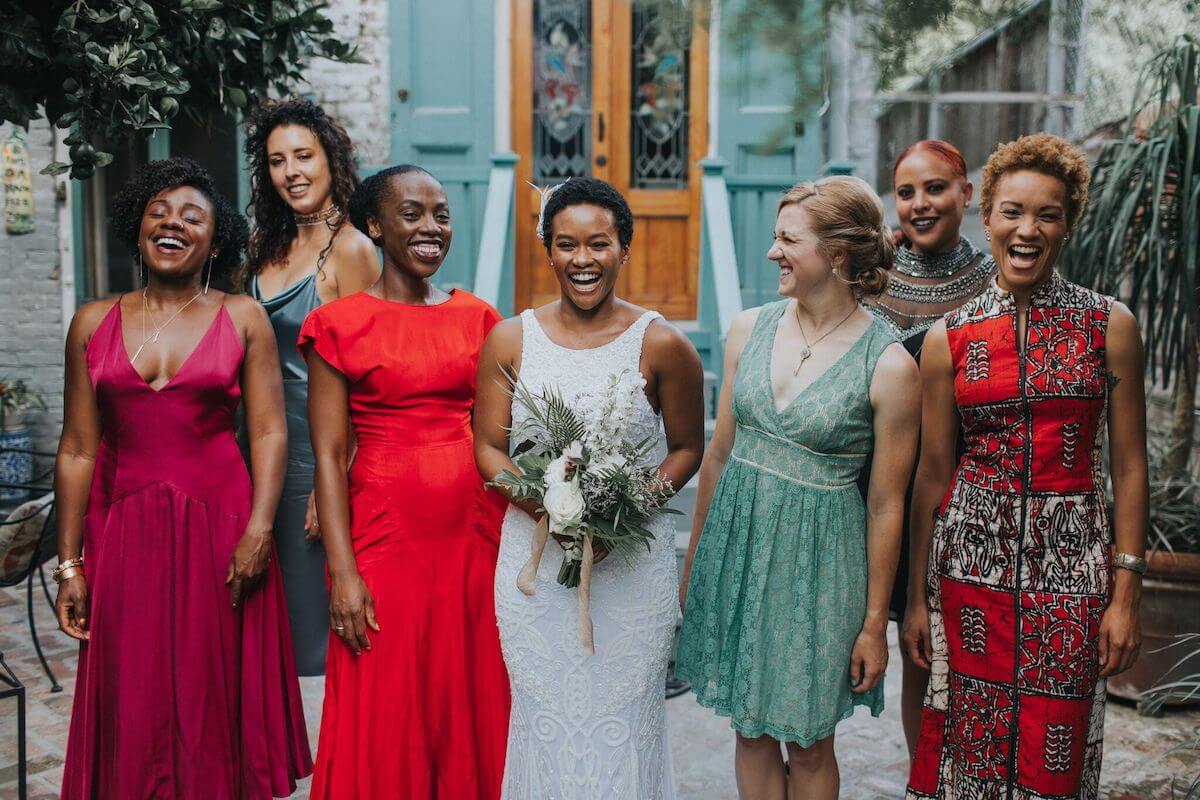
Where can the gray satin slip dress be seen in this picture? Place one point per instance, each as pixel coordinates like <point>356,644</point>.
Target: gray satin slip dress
<point>301,562</point>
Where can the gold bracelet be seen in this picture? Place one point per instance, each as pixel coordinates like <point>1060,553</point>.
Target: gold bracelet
<point>70,562</point>
<point>67,574</point>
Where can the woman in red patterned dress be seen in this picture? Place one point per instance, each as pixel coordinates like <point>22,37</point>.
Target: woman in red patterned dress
<point>1025,613</point>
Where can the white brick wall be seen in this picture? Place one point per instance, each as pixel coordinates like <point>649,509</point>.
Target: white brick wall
<point>31,330</point>
<point>358,94</point>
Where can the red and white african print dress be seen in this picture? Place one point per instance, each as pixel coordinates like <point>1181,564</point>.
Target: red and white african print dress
<point>1019,564</point>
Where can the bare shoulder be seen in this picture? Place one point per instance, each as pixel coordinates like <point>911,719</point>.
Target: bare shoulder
<point>354,260</point>
<point>896,367</point>
<point>89,316</point>
<point>505,336</point>
<point>246,312</point>
<point>661,334</point>
<point>896,382</point>
<point>666,345</point>
<point>353,244</point>
<point>1121,321</point>
<point>1124,352</point>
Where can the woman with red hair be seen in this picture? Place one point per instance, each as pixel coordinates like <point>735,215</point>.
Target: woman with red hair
<point>936,271</point>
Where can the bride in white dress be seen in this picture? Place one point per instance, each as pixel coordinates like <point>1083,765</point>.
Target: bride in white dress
<point>589,726</point>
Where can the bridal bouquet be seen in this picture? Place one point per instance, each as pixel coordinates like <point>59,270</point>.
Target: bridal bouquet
<point>589,479</point>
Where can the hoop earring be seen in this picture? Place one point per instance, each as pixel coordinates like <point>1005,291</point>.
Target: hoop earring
<point>987,234</point>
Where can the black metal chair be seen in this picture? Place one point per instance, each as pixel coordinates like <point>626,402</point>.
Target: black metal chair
<point>44,550</point>
<point>11,687</point>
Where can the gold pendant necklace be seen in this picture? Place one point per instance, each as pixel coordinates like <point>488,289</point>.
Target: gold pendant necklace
<point>158,329</point>
<point>806,352</point>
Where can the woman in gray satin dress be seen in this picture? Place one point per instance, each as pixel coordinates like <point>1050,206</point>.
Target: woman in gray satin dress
<point>304,252</point>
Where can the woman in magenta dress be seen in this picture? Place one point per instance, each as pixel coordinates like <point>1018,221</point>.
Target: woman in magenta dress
<point>416,695</point>
<point>186,685</point>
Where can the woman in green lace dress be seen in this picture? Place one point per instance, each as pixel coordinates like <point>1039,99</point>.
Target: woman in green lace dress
<point>788,574</point>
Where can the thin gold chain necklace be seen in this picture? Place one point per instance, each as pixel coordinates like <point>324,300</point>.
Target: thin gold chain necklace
<point>806,353</point>
<point>158,329</point>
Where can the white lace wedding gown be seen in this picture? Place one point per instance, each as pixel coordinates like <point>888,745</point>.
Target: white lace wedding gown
<point>587,727</point>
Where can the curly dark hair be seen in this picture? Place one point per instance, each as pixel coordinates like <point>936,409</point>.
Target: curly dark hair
<point>274,227</point>
<point>589,191</point>
<point>370,193</point>
<point>229,238</point>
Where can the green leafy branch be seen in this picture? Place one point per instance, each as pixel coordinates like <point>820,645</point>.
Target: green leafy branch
<point>108,71</point>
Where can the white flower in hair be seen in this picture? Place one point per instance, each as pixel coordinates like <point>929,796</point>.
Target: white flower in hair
<point>545,193</point>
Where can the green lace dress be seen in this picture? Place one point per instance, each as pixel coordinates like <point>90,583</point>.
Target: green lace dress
<point>778,588</point>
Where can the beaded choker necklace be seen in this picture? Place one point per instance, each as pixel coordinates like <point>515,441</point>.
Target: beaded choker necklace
<point>322,217</point>
<point>940,265</point>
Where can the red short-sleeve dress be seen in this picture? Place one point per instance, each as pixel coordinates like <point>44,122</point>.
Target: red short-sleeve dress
<point>424,713</point>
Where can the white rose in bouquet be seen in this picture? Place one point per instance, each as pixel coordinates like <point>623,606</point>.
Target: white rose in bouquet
<point>564,506</point>
<point>556,470</point>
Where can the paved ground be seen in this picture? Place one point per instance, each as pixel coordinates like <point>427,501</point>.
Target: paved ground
<point>870,750</point>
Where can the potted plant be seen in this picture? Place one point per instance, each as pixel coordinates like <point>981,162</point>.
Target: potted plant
<point>1139,239</point>
<point>16,460</point>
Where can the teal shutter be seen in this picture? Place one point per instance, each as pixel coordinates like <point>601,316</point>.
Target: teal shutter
<point>766,147</point>
<point>441,119</point>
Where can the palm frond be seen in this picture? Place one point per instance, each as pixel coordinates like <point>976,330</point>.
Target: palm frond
<point>1139,237</point>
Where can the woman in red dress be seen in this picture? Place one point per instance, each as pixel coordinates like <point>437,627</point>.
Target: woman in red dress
<point>416,696</point>
<point>1024,615</point>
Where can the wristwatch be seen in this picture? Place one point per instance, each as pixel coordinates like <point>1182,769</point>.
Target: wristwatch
<point>1131,563</point>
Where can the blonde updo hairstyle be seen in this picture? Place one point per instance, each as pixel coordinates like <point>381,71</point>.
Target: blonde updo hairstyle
<point>846,216</point>
<point>1044,153</point>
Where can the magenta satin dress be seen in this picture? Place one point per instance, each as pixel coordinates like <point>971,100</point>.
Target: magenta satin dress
<point>177,695</point>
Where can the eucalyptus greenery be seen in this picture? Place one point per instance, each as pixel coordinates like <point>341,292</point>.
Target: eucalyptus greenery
<point>1139,238</point>
<point>107,70</point>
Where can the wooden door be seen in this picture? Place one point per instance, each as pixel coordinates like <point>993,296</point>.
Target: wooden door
<point>614,89</point>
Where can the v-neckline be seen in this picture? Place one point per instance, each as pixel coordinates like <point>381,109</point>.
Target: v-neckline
<point>170,381</point>
<point>779,412</point>
<point>282,294</point>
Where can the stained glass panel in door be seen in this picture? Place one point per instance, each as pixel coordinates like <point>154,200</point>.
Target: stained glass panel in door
<point>562,89</point>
